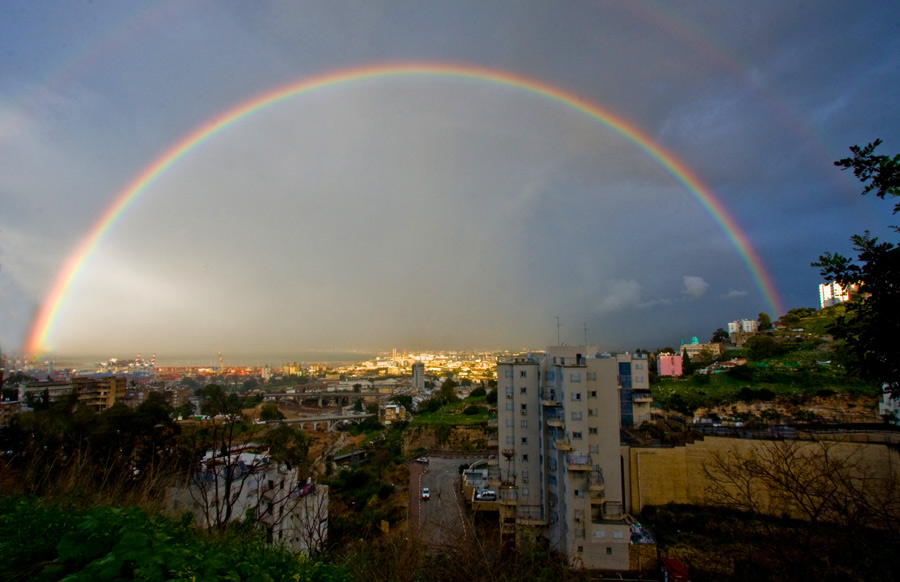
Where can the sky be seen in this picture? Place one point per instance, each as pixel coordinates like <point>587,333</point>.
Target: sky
<point>433,175</point>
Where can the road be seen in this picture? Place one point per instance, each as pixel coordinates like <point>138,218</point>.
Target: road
<point>440,520</point>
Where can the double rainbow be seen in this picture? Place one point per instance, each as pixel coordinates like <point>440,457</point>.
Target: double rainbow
<point>50,308</point>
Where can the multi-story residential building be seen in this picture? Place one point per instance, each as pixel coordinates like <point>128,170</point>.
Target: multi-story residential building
<point>563,472</point>
<point>740,330</point>
<point>669,365</point>
<point>418,376</point>
<point>248,485</point>
<point>100,394</point>
<point>832,293</point>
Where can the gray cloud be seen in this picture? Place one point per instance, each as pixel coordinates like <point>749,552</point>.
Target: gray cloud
<point>429,211</point>
<point>694,286</point>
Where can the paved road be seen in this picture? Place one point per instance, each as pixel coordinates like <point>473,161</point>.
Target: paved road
<point>441,519</point>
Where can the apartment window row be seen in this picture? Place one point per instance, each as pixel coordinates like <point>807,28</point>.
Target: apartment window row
<point>576,415</point>
<point>591,376</point>
<point>574,377</point>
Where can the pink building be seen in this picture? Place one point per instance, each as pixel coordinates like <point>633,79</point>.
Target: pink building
<point>668,365</point>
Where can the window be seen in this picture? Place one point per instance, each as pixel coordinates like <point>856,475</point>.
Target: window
<point>608,551</point>
<point>576,435</point>
<point>639,366</point>
<point>592,430</point>
<point>510,440</point>
<point>593,412</point>
<point>576,395</point>
<point>638,379</point>
<point>524,441</point>
<point>551,376</point>
<point>594,449</point>
<point>509,422</point>
<point>525,458</point>
<point>524,409</point>
<point>578,493</point>
<point>508,374</point>
<point>580,549</point>
<point>525,491</point>
<point>576,415</point>
<point>509,405</point>
<point>524,423</point>
<point>522,373</point>
<point>523,390</point>
<point>575,378</point>
<point>592,375</point>
<point>593,393</point>
<point>617,535</point>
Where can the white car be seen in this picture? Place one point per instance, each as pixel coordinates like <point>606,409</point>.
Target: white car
<point>423,460</point>
<point>426,494</point>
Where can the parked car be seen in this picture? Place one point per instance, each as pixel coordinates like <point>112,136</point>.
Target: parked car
<point>486,496</point>
<point>425,493</point>
<point>423,460</point>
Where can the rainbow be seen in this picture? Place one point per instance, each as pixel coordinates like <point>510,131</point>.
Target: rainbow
<point>49,310</point>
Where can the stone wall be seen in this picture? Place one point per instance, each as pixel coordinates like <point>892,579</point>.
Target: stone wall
<point>444,438</point>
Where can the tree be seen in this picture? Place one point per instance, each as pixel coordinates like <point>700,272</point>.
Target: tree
<point>764,321</point>
<point>824,484</point>
<point>760,347</point>
<point>869,324</point>
<point>719,336</point>
<point>270,411</point>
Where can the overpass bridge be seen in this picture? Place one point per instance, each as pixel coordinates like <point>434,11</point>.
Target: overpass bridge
<point>312,422</point>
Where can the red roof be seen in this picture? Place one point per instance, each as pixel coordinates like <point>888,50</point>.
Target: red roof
<point>675,571</point>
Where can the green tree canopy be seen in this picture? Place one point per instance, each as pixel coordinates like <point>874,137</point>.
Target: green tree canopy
<point>719,336</point>
<point>764,321</point>
<point>869,326</point>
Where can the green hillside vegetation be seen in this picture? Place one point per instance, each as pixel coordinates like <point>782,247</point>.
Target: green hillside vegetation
<point>785,364</point>
<point>471,411</point>
<point>44,541</point>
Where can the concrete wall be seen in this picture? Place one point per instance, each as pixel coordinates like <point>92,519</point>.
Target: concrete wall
<point>676,475</point>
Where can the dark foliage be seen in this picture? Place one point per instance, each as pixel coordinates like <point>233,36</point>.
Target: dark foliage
<point>872,318</point>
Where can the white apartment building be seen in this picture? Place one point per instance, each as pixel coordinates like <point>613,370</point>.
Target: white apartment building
<point>740,330</point>
<point>241,485</point>
<point>563,468</point>
<point>832,293</point>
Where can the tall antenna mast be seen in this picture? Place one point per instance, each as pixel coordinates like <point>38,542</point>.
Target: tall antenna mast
<point>557,330</point>
<point>585,334</point>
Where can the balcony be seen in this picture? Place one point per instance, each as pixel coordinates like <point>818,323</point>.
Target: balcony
<point>509,497</point>
<point>549,403</point>
<point>556,418</point>
<point>530,515</point>
<point>641,397</point>
<point>578,462</point>
<point>563,445</point>
<point>595,483</point>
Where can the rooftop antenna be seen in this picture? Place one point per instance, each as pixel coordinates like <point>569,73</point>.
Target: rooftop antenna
<point>585,334</point>
<point>557,331</point>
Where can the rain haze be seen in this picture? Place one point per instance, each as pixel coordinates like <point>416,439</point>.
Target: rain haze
<point>436,175</point>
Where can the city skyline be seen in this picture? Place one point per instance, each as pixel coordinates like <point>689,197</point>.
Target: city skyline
<point>189,178</point>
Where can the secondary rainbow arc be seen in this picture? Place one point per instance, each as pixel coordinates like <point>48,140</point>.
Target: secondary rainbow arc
<point>50,308</point>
